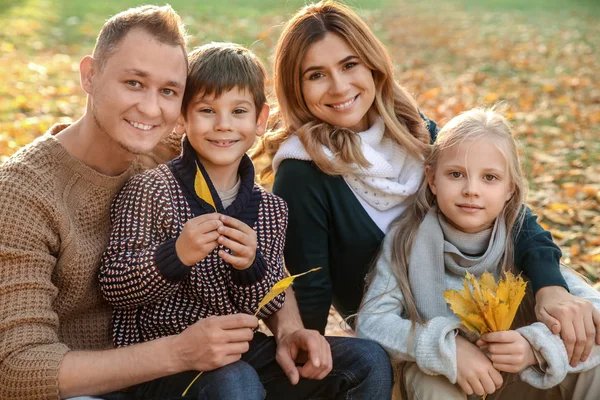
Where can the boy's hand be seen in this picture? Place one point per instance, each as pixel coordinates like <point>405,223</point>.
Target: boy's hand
<point>476,374</point>
<point>240,239</point>
<point>198,238</point>
<point>576,319</point>
<point>509,351</point>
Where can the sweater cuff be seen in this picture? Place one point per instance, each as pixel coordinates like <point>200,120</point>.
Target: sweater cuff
<point>435,348</point>
<point>552,350</point>
<point>168,263</point>
<point>539,272</point>
<point>252,274</point>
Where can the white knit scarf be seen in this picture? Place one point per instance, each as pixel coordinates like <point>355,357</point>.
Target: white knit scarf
<point>436,249</point>
<point>393,175</point>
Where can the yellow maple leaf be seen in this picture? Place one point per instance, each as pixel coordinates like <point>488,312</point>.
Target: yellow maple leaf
<point>484,305</point>
<point>280,287</point>
<point>488,282</point>
<point>459,304</point>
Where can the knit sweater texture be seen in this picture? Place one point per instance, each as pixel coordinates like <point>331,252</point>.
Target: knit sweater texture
<point>55,225</point>
<point>54,211</point>
<point>153,293</point>
<point>432,345</point>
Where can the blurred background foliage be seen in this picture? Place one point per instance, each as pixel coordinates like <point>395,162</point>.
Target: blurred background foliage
<point>539,58</point>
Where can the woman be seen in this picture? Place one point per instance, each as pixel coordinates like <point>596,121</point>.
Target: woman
<point>347,147</point>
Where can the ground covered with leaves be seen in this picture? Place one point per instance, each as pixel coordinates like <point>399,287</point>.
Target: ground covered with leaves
<point>539,59</point>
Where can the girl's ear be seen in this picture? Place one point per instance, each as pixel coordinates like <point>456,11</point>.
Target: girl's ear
<point>180,125</point>
<point>86,73</point>
<point>430,176</point>
<point>510,192</point>
<point>261,120</point>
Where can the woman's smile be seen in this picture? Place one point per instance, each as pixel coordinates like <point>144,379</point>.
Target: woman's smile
<point>337,87</point>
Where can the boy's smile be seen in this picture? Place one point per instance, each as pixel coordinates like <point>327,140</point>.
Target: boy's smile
<point>221,130</point>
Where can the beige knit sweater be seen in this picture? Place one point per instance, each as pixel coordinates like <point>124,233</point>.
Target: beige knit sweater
<point>54,213</point>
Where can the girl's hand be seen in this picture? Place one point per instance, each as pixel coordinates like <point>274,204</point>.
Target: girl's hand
<point>509,351</point>
<point>476,374</point>
<point>240,239</point>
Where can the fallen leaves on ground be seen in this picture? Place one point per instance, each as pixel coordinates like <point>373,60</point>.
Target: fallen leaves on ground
<point>541,65</point>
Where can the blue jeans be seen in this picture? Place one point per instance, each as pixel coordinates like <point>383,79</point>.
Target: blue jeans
<point>361,370</point>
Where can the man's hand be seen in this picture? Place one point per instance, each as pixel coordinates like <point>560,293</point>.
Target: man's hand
<point>509,351</point>
<point>198,238</point>
<point>308,347</point>
<point>214,341</point>
<point>476,374</point>
<point>576,319</point>
<point>240,239</point>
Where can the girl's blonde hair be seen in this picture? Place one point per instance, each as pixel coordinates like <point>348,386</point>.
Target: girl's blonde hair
<point>392,102</point>
<point>471,125</point>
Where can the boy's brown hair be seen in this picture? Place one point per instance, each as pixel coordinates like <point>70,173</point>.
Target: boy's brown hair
<point>162,23</point>
<point>216,68</point>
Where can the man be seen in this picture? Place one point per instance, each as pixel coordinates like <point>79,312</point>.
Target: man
<point>54,207</point>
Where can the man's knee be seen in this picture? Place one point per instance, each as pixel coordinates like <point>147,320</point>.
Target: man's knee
<point>234,381</point>
<point>363,357</point>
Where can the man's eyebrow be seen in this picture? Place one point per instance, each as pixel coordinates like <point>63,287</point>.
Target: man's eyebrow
<point>144,74</point>
<point>137,72</point>
<point>317,67</point>
<point>175,84</point>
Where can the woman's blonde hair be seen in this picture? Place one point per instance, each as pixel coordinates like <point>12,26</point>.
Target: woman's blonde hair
<point>472,125</point>
<point>392,102</point>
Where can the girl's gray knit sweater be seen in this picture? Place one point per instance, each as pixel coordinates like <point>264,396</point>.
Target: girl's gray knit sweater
<point>433,346</point>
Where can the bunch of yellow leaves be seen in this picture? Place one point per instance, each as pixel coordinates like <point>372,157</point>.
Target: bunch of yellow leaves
<point>490,306</point>
<point>275,291</point>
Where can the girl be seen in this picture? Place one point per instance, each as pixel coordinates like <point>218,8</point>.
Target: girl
<point>461,220</point>
<point>347,147</point>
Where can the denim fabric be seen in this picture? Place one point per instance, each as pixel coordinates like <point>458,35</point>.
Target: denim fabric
<point>109,396</point>
<point>84,398</point>
<point>361,370</point>
<point>234,381</point>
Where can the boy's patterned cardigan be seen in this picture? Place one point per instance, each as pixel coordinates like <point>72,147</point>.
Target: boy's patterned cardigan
<point>153,293</point>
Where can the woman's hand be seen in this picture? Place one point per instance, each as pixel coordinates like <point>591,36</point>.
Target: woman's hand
<point>509,351</point>
<point>576,319</point>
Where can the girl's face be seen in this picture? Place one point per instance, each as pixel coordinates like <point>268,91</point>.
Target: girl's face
<point>471,183</point>
<point>336,85</point>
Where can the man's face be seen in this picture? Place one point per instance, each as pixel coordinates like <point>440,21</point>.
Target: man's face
<point>136,96</point>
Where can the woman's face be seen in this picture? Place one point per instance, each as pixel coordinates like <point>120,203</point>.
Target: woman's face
<point>337,86</point>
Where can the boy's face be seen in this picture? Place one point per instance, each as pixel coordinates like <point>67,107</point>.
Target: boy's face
<point>136,97</point>
<point>223,129</point>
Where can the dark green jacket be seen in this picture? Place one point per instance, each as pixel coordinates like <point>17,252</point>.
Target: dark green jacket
<point>329,228</point>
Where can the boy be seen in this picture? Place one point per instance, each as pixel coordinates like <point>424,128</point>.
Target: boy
<point>183,247</point>
<point>196,238</point>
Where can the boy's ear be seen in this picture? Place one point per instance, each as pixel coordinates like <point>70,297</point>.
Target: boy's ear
<point>180,125</point>
<point>261,121</point>
<point>86,73</point>
<point>430,176</point>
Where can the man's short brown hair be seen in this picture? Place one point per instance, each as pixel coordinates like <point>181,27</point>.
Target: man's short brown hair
<point>216,68</point>
<point>162,23</point>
